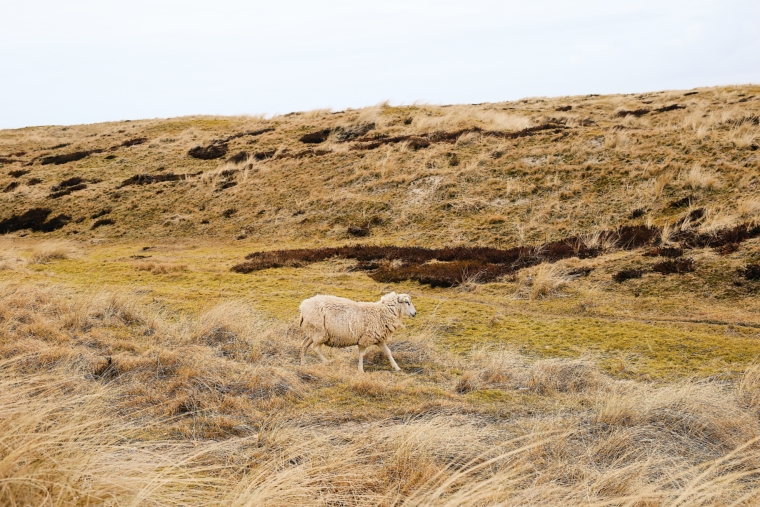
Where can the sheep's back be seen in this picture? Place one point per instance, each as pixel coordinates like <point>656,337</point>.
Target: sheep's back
<point>350,324</point>
<point>347,322</point>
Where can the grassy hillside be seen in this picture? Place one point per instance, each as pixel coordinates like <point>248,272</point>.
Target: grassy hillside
<point>494,174</point>
<point>585,271</point>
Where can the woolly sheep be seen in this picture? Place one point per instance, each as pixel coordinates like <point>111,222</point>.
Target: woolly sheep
<point>341,322</point>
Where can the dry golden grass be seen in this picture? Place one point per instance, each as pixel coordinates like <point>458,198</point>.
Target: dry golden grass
<point>543,282</point>
<point>717,219</point>
<point>282,189</point>
<point>49,251</point>
<point>697,177</point>
<point>164,420</point>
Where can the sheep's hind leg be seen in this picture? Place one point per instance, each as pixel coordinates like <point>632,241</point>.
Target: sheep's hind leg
<point>319,352</point>
<point>390,357</point>
<point>362,350</point>
<point>305,344</point>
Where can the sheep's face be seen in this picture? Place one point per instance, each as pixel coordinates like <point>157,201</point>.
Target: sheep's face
<point>405,303</point>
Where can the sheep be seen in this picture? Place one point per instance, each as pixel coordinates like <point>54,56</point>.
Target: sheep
<point>341,322</point>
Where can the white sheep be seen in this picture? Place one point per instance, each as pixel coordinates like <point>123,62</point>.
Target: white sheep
<point>341,322</point>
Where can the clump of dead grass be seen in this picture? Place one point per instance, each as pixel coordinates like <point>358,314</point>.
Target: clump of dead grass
<point>51,250</point>
<point>700,178</point>
<point>749,388</point>
<point>602,241</point>
<point>543,281</point>
<point>660,183</point>
<point>744,136</point>
<point>716,219</point>
<point>567,376</point>
<point>749,208</point>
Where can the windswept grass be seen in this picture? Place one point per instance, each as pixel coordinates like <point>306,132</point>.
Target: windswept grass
<point>212,410</point>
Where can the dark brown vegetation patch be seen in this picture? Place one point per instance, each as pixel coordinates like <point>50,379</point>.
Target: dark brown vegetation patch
<point>17,173</point>
<point>417,141</point>
<point>445,267</point>
<point>149,179</point>
<point>133,142</point>
<point>751,272</point>
<point>728,248</point>
<point>627,274</point>
<point>263,155</point>
<point>580,272</point>
<point>671,107</point>
<point>100,213</point>
<point>695,215</point>
<point>449,266</point>
<point>227,173</point>
<point>637,213</point>
<point>71,182</point>
<point>344,134</point>
<point>102,222</point>
<point>13,185</point>
<point>564,108</point>
<point>636,112</point>
<point>212,151</point>
<point>67,190</point>
<point>441,274</point>
<point>678,266</point>
<point>723,237</point>
<point>35,219</point>
<point>680,203</point>
<point>68,157</point>
<point>33,181</point>
<point>317,137</point>
<point>358,230</point>
<point>239,157</point>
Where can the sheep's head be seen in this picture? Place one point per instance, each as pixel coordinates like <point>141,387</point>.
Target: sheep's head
<point>407,308</point>
<point>402,301</point>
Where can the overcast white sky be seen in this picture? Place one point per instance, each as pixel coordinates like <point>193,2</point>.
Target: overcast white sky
<point>84,61</point>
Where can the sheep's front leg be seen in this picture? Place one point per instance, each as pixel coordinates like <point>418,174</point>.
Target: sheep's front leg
<point>362,350</point>
<point>390,357</point>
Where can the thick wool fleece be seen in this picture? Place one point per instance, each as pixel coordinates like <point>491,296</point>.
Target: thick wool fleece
<point>341,322</point>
